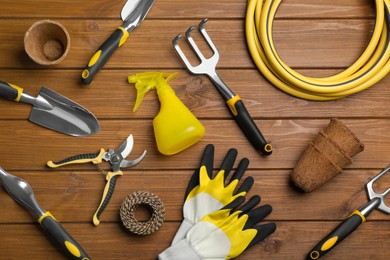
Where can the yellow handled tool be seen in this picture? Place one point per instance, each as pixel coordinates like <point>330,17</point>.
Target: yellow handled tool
<point>133,13</point>
<point>234,103</point>
<point>22,193</point>
<point>53,111</point>
<point>116,159</point>
<point>354,220</point>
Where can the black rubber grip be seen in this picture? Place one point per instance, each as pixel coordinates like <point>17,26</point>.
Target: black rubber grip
<point>107,198</point>
<point>336,236</point>
<point>7,91</point>
<point>250,129</point>
<point>78,157</point>
<point>63,240</point>
<point>106,50</point>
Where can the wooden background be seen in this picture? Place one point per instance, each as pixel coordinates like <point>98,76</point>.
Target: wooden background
<point>317,38</point>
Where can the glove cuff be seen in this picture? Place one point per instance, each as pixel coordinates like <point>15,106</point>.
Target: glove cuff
<point>181,233</point>
<point>179,251</point>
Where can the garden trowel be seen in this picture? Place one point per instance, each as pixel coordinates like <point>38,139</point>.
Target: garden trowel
<point>132,14</point>
<point>54,111</point>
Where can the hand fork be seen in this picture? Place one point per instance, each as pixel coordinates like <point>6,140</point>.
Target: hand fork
<point>234,102</point>
<point>354,220</point>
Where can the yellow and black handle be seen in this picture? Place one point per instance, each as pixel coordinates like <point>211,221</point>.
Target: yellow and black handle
<point>94,158</point>
<point>101,56</point>
<point>337,235</point>
<point>10,91</point>
<point>107,193</point>
<point>58,234</point>
<point>248,126</point>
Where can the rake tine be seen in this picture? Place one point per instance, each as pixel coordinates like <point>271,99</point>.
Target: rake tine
<point>386,192</point>
<point>373,195</point>
<point>234,103</point>
<point>193,45</point>
<point>207,37</point>
<point>175,43</point>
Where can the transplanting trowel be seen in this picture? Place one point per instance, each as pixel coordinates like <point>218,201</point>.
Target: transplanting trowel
<point>132,14</point>
<point>22,193</point>
<point>54,111</point>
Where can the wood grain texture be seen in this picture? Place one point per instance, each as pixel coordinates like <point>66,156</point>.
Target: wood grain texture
<point>171,9</point>
<point>289,138</point>
<point>316,38</point>
<point>113,97</point>
<point>300,43</point>
<point>68,191</point>
<point>292,240</point>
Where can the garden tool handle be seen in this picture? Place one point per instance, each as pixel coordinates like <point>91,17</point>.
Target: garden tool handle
<point>344,229</point>
<point>248,126</point>
<point>101,56</point>
<point>107,193</point>
<point>10,91</point>
<point>337,235</point>
<point>94,158</point>
<point>59,235</point>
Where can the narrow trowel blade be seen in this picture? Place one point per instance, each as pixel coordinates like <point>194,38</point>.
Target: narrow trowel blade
<point>65,116</point>
<point>129,7</point>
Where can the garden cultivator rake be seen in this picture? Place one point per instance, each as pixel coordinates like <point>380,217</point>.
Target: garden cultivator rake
<point>234,102</point>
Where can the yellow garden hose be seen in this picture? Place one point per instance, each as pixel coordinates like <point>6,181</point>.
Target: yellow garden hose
<point>368,69</point>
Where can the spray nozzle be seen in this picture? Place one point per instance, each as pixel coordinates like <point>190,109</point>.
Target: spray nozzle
<point>149,80</point>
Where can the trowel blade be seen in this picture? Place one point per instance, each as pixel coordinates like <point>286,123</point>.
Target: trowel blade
<point>129,7</point>
<point>65,116</point>
<point>134,12</point>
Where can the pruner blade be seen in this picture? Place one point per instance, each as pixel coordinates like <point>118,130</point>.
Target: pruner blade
<point>127,164</point>
<point>126,147</point>
<point>117,157</point>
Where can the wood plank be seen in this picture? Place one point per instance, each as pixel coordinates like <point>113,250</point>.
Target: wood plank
<point>292,240</point>
<point>317,39</point>
<point>289,138</point>
<point>170,9</point>
<point>112,97</point>
<point>301,43</point>
<point>73,196</point>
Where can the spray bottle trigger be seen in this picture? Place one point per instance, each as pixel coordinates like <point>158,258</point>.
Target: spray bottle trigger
<point>147,81</point>
<point>171,76</point>
<point>142,89</point>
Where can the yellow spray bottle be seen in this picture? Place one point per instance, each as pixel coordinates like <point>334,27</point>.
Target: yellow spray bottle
<point>175,127</point>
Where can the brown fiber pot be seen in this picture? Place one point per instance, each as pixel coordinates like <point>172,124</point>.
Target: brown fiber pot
<point>313,169</point>
<point>344,137</point>
<point>47,42</point>
<point>332,150</point>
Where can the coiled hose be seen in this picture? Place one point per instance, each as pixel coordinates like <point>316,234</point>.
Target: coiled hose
<point>368,69</point>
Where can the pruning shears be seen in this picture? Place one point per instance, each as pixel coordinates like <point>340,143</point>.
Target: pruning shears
<point>117,161</point>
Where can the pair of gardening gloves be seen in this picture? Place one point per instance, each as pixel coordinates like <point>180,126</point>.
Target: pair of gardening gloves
<point>215,226</point>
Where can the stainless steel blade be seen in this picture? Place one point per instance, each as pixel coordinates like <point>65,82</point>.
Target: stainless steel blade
<point>21,192</point>
<point>134,12</point>
<point>63,115</point>
<point>128,8</point>
<point>127,164</point>
<point>117,157</point>
<point>126,147</point>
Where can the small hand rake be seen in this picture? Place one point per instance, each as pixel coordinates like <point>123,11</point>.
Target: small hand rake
<point>234,102</point>
<point>354,220</point>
